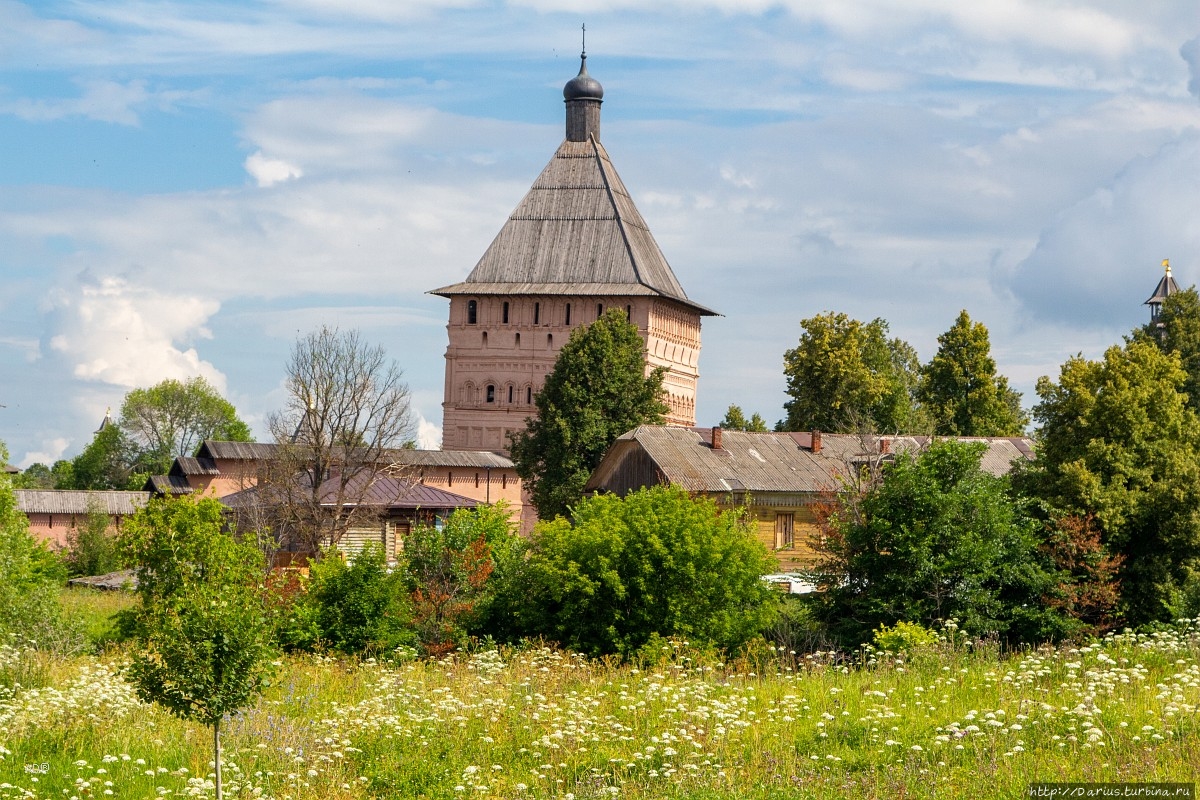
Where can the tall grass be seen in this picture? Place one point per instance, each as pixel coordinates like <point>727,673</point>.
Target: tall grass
<point>952,720</point>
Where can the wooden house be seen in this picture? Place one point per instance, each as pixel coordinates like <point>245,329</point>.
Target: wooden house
<point>778,477</point>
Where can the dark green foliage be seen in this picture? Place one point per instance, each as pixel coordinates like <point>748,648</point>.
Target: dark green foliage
<point>202,629</point>
<point>1117,441</point>
<point>961,391</point>
<point>360,607</point>
<point>846,376</point>
<point>92,548</point>
<point>1178,331</point>
<point>35,476</point>
<point>655,562</point>
<point>937,538</point>
<point>106,463</point>
<point>597,390</point>
<point>735,420</point>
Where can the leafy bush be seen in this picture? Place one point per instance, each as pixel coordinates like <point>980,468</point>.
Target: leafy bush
<point>92,549</point>
<point>904,637</point>
<point>361,606</point>
<point>30,579</point>
<point>939,537</point>
<point>654,562</point>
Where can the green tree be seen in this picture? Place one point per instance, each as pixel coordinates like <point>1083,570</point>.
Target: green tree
<point>202,623</point>
<point>106,463</point>
<point>1117,441</point>
<point>960,390</point>
<point>597,390</point>
<point>1178,331</point>
<point>654,562</point>
<point>35,476</point>
<point>937,538</point>
<point>30,575</point>
<point>735,420</point>
<point>172,418</point>
<point>846,376</point>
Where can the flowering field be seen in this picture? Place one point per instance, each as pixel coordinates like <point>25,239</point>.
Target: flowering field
<point>949,722</point>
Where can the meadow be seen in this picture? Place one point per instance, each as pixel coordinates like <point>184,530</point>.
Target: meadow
<point>958,719</point>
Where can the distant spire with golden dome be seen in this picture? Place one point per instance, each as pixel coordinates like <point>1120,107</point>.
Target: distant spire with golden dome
<point>1166,287</point>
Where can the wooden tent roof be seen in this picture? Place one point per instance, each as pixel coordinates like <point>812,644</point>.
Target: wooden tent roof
<point>577,232</point>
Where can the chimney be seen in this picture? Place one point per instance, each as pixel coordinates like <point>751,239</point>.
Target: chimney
<point>885,445</point>
<point>816,442</point>
<point>716,437</point>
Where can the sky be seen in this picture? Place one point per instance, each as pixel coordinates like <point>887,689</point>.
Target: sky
<point>187,187</point>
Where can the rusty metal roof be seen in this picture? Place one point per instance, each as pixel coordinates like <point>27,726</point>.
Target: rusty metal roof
<point>384,491</point>
<point>168,485</point>
<point>76,501</point>
<point>771,462</point>
<point>576,232</point>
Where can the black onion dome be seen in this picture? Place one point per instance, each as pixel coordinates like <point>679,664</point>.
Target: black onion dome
<point>583,86</point>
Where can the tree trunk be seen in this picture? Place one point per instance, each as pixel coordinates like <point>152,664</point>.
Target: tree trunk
<point>217,753</point>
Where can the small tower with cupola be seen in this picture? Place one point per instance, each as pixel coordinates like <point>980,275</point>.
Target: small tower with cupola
<point>1166,287</point>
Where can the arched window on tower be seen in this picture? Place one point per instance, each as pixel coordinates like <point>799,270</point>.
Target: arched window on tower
<point>510,394</point>
<point>472,312</point>
<point>549,341</point>
<point>629,313</point>
<point>491,392</point>
<point>528,395</point>
<point>518,340</point>
<point>485,338</point>
<point>599,310</point>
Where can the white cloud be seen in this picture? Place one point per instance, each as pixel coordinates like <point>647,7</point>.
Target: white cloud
<point>129,335</point>
<point>1100,258</point>
<point>270,171</point>
<point>104,101</point>
<point>429,435</point>
<point>52,451</point>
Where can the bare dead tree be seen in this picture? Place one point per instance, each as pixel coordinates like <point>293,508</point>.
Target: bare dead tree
<point>348,408</point>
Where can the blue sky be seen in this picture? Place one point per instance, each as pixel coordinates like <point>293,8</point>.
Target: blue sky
<point>185,187</point>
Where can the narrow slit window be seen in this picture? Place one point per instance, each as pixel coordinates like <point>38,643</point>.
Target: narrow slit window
<point>599,310</point>
<point>510,395</point>
<point>537,313</point>
<point>528,395</point>
<point>472,312</point>
<point>568,318</point>
<point>504,313</point>
<point>491,393</point>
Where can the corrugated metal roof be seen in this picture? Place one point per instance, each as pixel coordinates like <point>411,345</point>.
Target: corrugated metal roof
<point>168,484</point>
<point>188,465</point>
<point>72,501</point>
<point>266,451</point>
<point>576,232</point>
<point>771,462</point>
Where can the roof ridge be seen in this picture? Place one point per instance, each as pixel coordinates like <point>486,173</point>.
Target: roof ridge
<point>633,262</point>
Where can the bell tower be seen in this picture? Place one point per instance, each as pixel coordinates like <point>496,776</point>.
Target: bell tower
<point>573,248</point>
